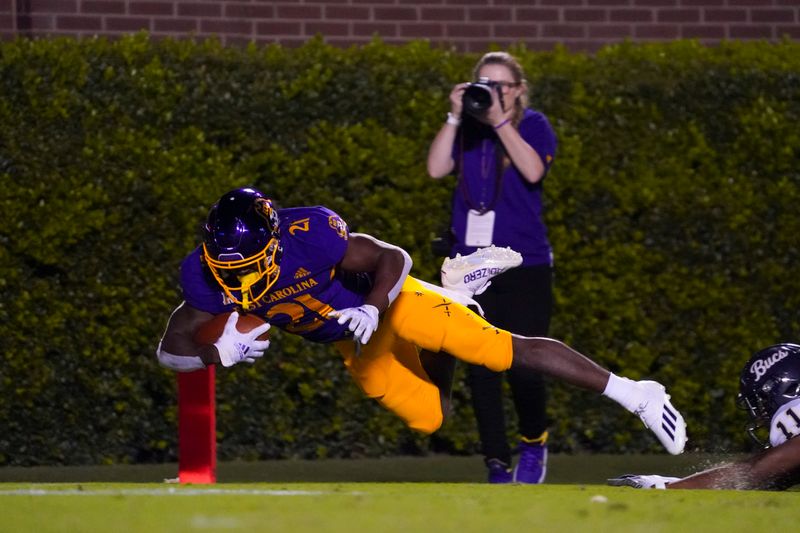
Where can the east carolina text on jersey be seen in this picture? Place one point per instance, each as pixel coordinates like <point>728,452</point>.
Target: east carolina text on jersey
<point>297,288</point>
<point>314,241</point>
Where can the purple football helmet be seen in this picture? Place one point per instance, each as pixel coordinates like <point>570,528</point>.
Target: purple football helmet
<point>241,245</point>
<point>770,379</point>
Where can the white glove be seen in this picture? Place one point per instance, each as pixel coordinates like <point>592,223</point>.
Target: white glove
<point>652,481</point>
<point>234,346</point>
<point>363,321</point>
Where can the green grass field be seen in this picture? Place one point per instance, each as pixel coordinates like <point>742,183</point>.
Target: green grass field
<point>357,507</point>
<point>382,495</point>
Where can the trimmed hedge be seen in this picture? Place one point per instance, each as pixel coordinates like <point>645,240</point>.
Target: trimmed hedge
<point>671,207</point>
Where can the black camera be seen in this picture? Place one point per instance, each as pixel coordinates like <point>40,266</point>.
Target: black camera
<point>477,97</point>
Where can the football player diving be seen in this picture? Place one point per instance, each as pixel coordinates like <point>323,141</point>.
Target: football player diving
<point>769,389</point>
<point>300,269</point>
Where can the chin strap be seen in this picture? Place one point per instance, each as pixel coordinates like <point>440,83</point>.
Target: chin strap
<point>247,281</point>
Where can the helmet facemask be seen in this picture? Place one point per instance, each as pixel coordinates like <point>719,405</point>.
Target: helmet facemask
<point>758,425</point>
<point>246,281</point>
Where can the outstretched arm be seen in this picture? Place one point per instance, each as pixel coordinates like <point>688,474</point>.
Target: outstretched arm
<point>773,469</point>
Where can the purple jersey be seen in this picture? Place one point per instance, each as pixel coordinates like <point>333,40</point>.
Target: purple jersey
<point>309,286</point>
<point>517,203</point>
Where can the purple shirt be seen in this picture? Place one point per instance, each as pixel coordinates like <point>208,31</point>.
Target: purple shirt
<point>309,285</point>
<point>516,202</point>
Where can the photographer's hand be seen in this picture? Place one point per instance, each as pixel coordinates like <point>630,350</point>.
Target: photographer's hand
<point>496,115</point>
<point>456,97</point>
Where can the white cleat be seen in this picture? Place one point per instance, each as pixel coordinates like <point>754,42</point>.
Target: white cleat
<point>660,417</point>
<point>472,273</point>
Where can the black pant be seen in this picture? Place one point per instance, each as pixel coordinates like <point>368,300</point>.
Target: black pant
<point>520,301</point>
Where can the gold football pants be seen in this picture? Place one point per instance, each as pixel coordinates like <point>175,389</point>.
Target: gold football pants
<point>389,368</point>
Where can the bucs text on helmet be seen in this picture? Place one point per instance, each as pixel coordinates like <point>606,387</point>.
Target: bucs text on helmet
<point>770,379</point>
<point>241,245</point>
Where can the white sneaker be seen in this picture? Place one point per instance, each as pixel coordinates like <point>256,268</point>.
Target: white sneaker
<point>471,273</point>
<point>660,417</point>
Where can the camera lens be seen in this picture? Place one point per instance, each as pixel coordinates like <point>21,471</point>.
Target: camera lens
<point>477,99</point>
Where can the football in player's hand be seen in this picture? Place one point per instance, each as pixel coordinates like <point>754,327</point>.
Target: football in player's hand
<point>209,332</point>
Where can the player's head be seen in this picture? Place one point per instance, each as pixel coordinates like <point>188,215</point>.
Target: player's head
<point>241,245</point>
<point>770,379</point>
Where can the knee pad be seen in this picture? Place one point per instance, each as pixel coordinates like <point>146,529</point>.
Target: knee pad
<point>421,411</point>
<point>396,379</point>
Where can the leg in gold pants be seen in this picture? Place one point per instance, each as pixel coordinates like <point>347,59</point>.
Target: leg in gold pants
<point>389,368</point>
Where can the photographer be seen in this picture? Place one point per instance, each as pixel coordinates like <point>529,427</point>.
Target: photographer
<point>501,150</point>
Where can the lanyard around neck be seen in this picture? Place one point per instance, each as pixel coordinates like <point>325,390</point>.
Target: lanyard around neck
<point>499,152</point>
